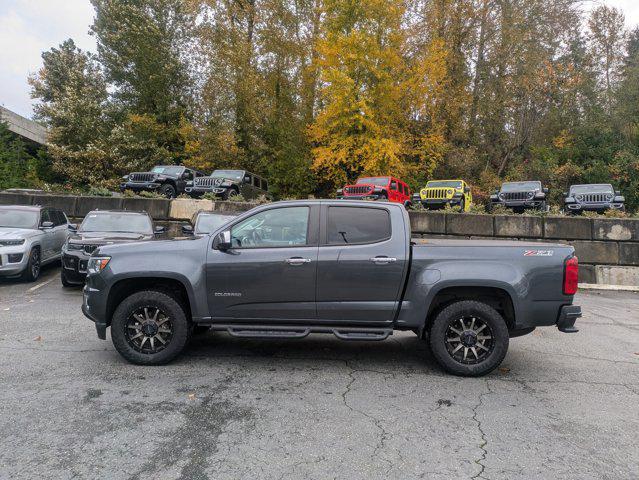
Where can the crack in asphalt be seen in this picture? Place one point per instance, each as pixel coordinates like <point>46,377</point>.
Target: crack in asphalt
<point>376,422</point>
<point>484,440</point>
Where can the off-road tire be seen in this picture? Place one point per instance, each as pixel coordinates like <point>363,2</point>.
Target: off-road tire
<point>462,205</point>
<point>231,192</point>
<point>168,190</point>
<point>34,266</point>
<point>150,298</point>
<point>468,308</point>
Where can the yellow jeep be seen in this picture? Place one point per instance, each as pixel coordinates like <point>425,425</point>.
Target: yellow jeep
<point>439,193</point>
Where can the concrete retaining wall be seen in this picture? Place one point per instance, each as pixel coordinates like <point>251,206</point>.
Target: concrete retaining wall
<point>608,248</point>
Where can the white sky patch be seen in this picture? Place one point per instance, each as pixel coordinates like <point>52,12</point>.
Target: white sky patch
<point>29,27</point>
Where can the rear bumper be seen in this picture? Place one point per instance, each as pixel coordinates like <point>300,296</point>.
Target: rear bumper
<point>568,315</point>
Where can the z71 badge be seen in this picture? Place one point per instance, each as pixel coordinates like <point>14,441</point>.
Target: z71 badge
<point>538,253</point>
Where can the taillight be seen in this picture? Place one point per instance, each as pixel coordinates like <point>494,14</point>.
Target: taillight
<point>571,275</point>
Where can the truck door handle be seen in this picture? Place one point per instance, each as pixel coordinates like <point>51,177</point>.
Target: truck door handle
<point>383,260</point>
<point>298,261</point>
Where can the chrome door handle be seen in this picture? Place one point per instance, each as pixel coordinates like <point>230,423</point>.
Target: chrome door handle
<point>383,260</point>
<point>298,261</point>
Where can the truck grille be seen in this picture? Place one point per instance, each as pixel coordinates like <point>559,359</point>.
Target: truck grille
<point>357,190</point>
<point>90,248</point>
<point>595,197</point>
<point>436,193</point>
<point>142,177</point>
<point>515,195</point>
<point>207,182</point>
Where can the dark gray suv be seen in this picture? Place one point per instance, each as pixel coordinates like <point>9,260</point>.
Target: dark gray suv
<point>593,198</point>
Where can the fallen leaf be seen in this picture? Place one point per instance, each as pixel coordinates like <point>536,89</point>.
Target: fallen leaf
<point>191,396</point>
<point>504,369</point>
<point>38,338</point>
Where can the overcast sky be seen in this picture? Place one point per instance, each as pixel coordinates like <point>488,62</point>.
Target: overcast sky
<point>28,27</point>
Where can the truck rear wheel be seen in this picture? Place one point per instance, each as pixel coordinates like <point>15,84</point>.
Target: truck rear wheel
<point>150,328</point>
<point>469,338</point>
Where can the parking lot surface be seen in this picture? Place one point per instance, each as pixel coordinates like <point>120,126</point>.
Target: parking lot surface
<point>561,406</point>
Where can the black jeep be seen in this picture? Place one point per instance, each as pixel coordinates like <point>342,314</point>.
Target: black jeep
<point>520,196</point>
<point>169,180</point>
<point>226,184</point>
<point>594,198</point>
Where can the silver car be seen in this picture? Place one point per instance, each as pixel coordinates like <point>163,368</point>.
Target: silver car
<point>30,236</point>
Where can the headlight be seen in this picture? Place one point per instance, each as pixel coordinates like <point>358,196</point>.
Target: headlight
<point>74,246</point>
<point>126,177</point>
<point>97,264</point>
<point>11,243</point>
<point>450,192</point>
<point>531,194</point>
<point>189,183</point>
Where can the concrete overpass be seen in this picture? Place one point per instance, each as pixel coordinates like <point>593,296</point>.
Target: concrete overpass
<point>25,128</point>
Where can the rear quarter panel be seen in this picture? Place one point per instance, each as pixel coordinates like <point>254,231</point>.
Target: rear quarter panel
<point>534,283</point>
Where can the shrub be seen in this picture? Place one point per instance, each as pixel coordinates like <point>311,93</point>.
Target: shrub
<point>100,192</point>
<point>128,193</point>
<point>146,194</point>
<point>237,198</point>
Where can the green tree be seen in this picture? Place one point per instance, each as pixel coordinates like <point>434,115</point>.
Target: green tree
<point>18,168</point>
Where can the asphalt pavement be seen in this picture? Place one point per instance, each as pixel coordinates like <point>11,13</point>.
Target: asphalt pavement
<point>560,407</point>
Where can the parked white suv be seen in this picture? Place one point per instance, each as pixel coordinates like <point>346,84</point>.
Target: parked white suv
<point>30,236</point>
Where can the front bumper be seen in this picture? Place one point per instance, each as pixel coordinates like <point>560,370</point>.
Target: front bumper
<point>13,260</point>
<point>202,190</point>
<point>360,197</point>
<point>520,203</point>
<point>139,186</point>
<point>74,264</point>
<point>568,315</point>
<point>94,308</point>
<point>593,207</point>
<point>439,202</point>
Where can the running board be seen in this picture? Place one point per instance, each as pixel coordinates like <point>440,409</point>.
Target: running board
<point>258,331</point>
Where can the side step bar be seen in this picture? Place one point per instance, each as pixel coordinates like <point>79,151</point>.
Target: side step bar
<point>259,331</point>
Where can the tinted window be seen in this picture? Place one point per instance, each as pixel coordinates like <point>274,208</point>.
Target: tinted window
<point>58,218</point>
<point>357,225</point>
<point>278,227</point>
<point>188,175</point>
<point>45,216</point>
<point>393,185</point>
<point>256,182</point>
<point>264,185</point>
<point>248,178</point>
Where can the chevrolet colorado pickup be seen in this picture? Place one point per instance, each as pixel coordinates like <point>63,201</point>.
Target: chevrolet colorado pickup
<point>288,269</point>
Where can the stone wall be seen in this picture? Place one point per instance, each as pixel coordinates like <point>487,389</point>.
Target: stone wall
<point>608,248</point>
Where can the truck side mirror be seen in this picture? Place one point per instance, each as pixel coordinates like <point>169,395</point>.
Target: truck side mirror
<point>222,241</point>
<point>617,192</point>
<point>46,225</point>
<point>545,190</point>
<point>187,229</point>
<point>565,194</point>
<point>466,189</point>
<point>159,230</point>
<point>73,227</point>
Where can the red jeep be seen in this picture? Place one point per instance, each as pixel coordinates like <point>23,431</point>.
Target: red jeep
<point>377,188</point>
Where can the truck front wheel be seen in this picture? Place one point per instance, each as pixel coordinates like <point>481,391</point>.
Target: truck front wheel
<point>469,338</point>
<point>150,328</point>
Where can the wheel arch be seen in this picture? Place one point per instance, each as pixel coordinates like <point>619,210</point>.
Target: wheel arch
<point>125,287</point>
<point>496,296</point>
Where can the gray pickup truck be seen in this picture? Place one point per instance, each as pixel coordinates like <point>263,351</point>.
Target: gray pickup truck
<point>288,269</point>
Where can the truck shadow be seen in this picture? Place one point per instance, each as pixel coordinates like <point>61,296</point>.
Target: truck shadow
<point>401,349</point>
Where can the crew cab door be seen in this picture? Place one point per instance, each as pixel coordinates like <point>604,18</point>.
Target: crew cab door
<point>48,238</point>
<point>362,260</point>
<point>269,274</point>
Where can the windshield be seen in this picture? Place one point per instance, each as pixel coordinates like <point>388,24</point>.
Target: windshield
<point>117,222</point>
<point>591,189</point>
<point>173,171</point>
<point>236,175</point>
<point>16,218</point>
<point>378,181</point>
<point>520,186</point>
<point>444,184</point>
<point>209,222</point>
